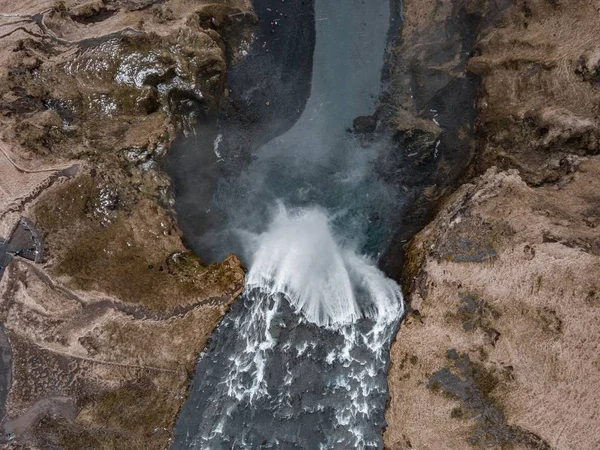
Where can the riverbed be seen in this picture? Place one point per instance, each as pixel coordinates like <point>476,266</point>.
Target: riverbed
<point>301,359</point>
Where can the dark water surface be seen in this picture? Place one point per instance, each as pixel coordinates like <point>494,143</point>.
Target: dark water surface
<point>300,361</point>
<point>5,375</point>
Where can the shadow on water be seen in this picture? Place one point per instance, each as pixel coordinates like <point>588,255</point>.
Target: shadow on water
<point>268,92</point>
<point>272,375</point>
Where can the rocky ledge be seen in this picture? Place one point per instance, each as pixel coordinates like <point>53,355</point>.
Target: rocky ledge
<point>104,333</point>
<point>500,349</point>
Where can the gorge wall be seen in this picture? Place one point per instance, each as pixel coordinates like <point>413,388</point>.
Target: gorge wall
<point>500,348</point>
<point>104,333</point>
<point>494,108</point>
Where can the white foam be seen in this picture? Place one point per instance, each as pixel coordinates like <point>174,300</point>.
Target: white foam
<point>254,357</point>
<point>298,256</point>
<point>216,144</point>
<point>299,260</point>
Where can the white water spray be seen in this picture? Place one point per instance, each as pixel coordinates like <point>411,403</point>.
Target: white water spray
<point>301,359</point>
<point>343,316</point>
<point>331,286</point>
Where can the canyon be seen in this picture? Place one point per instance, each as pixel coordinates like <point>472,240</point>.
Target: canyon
<point>460,162</point>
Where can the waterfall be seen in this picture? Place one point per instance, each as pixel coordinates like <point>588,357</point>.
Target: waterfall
<point>300,361</point>
<point>309,339</point>
<point>298,256</point>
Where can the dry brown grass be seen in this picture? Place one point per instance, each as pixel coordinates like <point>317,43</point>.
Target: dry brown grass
<point>137,257</point>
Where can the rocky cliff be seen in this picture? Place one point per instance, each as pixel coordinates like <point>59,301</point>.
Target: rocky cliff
<point>500,347</point>
<point>104,333</point>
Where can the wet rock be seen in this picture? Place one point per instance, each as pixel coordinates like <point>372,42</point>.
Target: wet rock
<point>432,104</point>
<point>365,124</point>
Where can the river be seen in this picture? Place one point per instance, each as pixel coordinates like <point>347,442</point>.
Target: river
<point>300,361</point>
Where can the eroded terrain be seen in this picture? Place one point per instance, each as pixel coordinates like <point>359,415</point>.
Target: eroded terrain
<point>105,331</point>
<point>501,347</point>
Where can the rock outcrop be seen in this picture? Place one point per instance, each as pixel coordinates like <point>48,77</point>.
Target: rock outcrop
<point>500,347</point>
<point>430,107</point>
<point>105,332</point>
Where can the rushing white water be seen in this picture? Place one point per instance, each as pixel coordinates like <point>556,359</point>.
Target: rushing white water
<point>307,343</point>
<point>300,361</point>
<point>299,257</point>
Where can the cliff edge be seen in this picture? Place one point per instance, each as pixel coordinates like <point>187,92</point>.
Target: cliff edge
<point>103,332</point>
<point>500,347</point>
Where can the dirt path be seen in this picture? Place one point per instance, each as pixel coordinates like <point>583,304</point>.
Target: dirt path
<point>25,170</point>
<point>136,312</point>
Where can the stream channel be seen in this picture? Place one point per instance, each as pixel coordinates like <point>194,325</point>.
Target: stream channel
<point>300,360</point>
